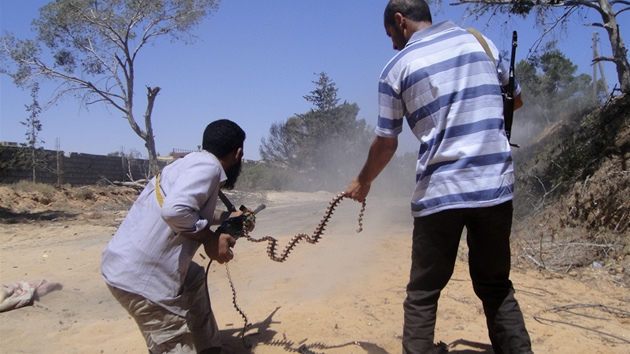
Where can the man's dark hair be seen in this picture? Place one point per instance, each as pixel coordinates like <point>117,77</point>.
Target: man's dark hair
<point>415,10</point>
<point>223,136</point>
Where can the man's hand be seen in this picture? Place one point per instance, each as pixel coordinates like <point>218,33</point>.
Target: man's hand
<point>218,248</point>
<point>222,215</point>
<point>358,191</point>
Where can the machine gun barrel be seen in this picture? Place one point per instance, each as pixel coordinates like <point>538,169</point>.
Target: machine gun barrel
<point>258,209</point>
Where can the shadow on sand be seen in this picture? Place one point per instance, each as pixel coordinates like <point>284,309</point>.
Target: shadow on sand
<point>9,217</point>
<point>261,334</point>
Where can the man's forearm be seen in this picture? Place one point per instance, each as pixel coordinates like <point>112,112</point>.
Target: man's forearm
<point>202,235</point>
<point>518,101</point>
<point>220,216</point>
<point>381,152</point>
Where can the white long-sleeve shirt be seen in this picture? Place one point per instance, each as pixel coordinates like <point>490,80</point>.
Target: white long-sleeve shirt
<point>146,255</point>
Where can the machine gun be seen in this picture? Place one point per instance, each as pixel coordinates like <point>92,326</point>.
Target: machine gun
<point>508,94</point>
<point>238,225</point>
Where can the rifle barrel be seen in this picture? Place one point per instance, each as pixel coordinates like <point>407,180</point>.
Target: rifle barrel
<point>508,101</point>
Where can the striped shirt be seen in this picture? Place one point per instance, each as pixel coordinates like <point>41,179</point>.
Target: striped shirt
<point>448,89</point>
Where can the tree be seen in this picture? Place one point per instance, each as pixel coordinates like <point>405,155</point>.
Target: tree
<point>92,47</point>
<point>330,130</point>
<point>282,144</point>
<point>553,91</point>
<point>324,97</point>
<point>34,126</point>
<point>551,75</point>
<point>543,7</point>
<point>31,155</point>
<point>323,142</point>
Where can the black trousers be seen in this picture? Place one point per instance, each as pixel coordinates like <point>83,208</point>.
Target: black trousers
<point>434,251</point>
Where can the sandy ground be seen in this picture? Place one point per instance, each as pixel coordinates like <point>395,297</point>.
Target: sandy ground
<point>341,295</point>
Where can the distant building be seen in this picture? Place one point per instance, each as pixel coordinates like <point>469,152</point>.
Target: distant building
<point>8,143</point>
<point>177,153</point>
<point>166,159</point>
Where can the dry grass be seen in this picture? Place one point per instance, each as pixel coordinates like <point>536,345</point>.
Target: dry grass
<point>572,203</point>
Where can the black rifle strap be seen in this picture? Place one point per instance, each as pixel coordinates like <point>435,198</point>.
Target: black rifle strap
<point>231,208</point>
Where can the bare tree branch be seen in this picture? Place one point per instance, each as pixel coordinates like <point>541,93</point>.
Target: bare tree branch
<point>94,46</point>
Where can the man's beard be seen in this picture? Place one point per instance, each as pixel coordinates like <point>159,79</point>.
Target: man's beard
<point>232,175</point>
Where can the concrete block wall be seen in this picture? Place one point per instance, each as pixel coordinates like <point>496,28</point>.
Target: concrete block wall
<point>77,168</point>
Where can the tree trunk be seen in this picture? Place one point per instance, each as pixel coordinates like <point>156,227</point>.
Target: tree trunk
<point>619,51</point>
<point>609,23</point>
<point>154,168</point>
<point>34,165</point>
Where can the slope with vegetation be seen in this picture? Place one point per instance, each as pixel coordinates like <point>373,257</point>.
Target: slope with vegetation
<point>573,195</point>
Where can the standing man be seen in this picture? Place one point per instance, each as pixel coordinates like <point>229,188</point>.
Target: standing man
<point>445,85</point>
<point>148,265</point>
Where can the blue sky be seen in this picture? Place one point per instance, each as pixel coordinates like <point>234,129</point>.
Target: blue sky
<point>252,63</point>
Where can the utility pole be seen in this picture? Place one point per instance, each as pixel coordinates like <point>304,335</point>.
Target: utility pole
<point>597,64</point>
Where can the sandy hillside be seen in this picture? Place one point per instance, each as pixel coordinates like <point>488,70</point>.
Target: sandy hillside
<point>341,295</point>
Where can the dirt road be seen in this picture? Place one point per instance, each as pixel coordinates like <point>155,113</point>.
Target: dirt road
<point>342,295</point>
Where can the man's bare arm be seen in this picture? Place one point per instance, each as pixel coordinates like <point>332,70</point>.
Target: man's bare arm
<point>518,101</point>
<point>219,216</point>
<point>217,246</point>
<point>199,236</point>
<point>381,152</point>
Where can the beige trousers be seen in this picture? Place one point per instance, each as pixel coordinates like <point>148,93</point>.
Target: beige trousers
<point>166,332</point>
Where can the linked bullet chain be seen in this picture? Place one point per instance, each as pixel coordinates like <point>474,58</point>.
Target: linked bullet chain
<point>272,243</point>
<point>317,234</point>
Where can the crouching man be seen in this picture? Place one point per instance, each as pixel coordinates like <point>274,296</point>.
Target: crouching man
<point>148,264</point>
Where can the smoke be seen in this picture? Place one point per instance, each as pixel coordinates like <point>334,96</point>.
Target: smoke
<point>533,121</point>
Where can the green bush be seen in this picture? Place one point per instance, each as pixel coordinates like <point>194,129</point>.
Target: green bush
<point>263,176</point>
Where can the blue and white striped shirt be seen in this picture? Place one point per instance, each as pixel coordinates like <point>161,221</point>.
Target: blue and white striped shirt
<point>448,89</point>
